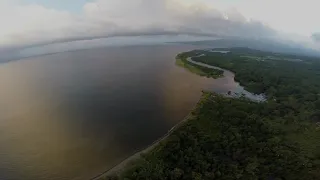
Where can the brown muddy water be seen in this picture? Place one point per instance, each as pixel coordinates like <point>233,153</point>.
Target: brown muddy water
<point>73,115</point>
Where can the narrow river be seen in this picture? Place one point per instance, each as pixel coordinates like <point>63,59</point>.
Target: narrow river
<point>228,77</point>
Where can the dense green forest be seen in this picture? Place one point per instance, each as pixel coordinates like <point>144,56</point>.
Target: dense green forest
<point>235,138</point>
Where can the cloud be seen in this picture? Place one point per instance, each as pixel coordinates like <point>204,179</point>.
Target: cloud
<point>34,24</point>
<point>316,37</point>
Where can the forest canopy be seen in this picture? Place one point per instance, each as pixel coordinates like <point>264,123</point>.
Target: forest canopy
<point>235,138</point>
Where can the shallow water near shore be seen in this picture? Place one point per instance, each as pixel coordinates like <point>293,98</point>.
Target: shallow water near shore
<point>73,115</point>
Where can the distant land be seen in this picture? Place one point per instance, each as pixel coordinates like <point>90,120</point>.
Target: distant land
<point>262,44</point>
<point>100,42</point>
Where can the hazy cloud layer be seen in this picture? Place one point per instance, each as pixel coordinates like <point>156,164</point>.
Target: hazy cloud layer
<point>316,37</point>
<point>32,24</point>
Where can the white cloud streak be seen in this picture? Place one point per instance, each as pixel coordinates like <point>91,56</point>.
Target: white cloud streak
<point>32,24</point>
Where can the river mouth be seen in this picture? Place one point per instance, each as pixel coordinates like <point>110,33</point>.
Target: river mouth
<point>228,76</point>
<point>73,115</point>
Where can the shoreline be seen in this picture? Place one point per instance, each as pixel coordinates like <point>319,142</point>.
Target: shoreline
<point>121,166</point>
<point>135,156</point>
<point>250,122</point>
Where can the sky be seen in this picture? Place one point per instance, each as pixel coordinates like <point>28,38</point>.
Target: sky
<point>73,6</point>
<point>27,22</point>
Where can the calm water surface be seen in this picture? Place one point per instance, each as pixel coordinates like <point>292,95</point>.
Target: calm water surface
<point>73,115</point>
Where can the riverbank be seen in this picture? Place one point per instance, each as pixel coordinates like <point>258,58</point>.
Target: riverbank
<point>236,138</point>
<point>226,74</point>
<point>185,61</point>
<point>131,160</point>
<point>224,138</point>
<point>182,61</point>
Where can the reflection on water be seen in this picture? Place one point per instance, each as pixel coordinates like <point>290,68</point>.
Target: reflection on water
<point>73,115</point>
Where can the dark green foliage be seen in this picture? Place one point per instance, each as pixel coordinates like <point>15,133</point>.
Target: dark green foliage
<point>277,75</point>
<point>219,144</point>
<point>238,139</point>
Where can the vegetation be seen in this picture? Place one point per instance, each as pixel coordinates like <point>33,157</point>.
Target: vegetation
<point>181,60</point>
<point>276,77</point>
<point>227,138</point>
